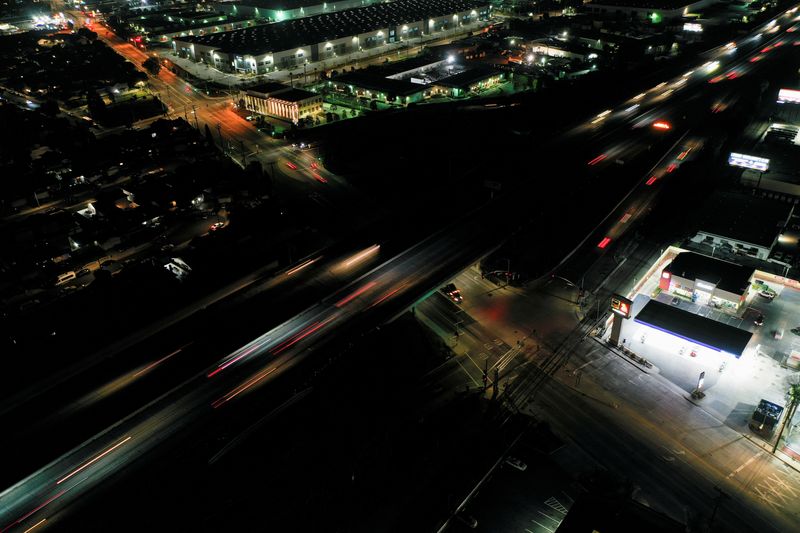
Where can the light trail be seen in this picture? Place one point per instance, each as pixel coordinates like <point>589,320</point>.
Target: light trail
<point>347,299</point>
<point>87,464</point>
<point>156,363</point>
<point>243,387</point>
<point>37,509</point>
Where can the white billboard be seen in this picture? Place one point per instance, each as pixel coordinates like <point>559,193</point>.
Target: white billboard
<point>693,27</point>
<point>748,161</point>
<point>788,96</point>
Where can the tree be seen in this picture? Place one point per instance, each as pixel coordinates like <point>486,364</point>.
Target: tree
<point>152,65</point>
<point>96,105</point>
<point>373,105</point>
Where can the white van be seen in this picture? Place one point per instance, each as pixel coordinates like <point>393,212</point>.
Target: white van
<point>65,277</point>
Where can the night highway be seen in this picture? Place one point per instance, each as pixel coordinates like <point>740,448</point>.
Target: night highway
<point>176,386</point>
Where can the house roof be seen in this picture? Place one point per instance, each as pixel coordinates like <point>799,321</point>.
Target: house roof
<point>725,275</point>
<point>694,328</point>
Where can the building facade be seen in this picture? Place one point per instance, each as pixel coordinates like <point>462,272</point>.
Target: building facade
<point>707,281</point>
<point>297,42</point>
<point>282,101</point>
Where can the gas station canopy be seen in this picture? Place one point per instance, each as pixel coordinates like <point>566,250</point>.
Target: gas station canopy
<point>694,328</point>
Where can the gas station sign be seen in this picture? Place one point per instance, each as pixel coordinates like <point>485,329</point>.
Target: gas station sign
<point>748,161</point>
<point>621,305</point>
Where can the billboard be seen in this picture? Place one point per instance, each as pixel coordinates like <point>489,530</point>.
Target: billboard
<point>621,305</point>
<point>790,96</point>
<point>748,161</point>
<point>693,27</point>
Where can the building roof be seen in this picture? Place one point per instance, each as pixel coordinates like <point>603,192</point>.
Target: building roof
<point>694,328</point>
<point>645,4</point>
<point>725,275</point>
<point>172,22</point>
<point>295,33</point>
<point>464,79</point>
<point>744,217</point>
<point>294,95</point>
<point>268,88</point>
<point>376,82</point>
<point>282,5</point>
<point>392,68</point>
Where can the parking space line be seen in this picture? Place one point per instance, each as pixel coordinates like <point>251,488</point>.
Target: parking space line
<point>542,525</point>
<point>548,516</point>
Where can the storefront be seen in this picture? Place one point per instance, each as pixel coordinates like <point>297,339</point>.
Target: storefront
<point>707,281</point>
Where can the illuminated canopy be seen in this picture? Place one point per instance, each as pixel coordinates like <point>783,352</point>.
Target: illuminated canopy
<point>694,328</point>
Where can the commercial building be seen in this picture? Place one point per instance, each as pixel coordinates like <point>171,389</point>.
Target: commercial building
<point>281,101</point>
<point>280,10</point>
<point>471,80</point>
<point>365,84</point>
<point>413,80</point>
<point>295,42</point>
<point>655,10</point>
<point>742,224</point>
<point>706,280</point>
<point>163,27</point>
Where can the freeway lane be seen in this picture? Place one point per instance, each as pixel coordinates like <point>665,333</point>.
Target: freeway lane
<point>397,282</point>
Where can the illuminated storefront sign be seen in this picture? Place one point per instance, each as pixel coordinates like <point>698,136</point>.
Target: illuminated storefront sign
<point>621,305</point>
<point>704,286</point>
<point>693,27</point>
<point>748,161</point>
<point>790,96</point>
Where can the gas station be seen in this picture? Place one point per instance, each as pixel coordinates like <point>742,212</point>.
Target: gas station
<point>704,339</point>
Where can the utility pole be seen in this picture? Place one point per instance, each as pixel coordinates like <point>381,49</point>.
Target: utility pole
<point>244,155</point>
<point>794,399</point>
<point>194,112</point>
<point>219,133</point>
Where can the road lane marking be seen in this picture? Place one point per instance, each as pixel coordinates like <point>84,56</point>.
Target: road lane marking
<point>467,373</point>
<point>745,464</point>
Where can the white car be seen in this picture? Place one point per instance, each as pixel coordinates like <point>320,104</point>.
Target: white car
<point>516,463</point>
<point>769,295</point>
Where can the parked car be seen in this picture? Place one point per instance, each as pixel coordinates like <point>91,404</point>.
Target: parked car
<point>759,321</point>
<point>215,226</point>
<point>676,300</point>
<point>83,272</point>
<point>768,294</point>
<point>516,463</point>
